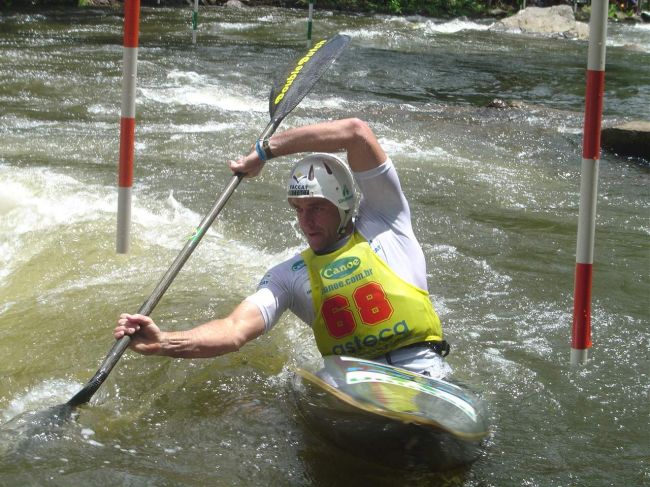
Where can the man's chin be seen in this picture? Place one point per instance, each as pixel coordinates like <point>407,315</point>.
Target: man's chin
<point>315,247</point>
<point>316,244</point>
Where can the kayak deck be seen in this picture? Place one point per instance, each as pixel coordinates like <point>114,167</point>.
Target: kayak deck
<point>408,419</point>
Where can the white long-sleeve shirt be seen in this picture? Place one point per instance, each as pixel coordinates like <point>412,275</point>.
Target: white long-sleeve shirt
<point>384,219</point>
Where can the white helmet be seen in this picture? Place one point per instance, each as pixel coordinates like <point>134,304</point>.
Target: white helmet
<point>325,176</point>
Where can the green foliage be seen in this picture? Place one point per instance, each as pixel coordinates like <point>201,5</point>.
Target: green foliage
<point>394,6</point>
<point>35,4</point>
<point>612,11</point>
<point>439,8</point>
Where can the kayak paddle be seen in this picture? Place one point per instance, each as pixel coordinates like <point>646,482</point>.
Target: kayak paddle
<point>284,97</point>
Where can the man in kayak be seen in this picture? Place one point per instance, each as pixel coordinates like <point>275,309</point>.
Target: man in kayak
<point>361,283</point>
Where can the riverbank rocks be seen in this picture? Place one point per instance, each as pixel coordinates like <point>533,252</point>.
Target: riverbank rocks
<point>234,4</point>
<point>558,20</point>
<point>629,139</point>
<point>500,103</point>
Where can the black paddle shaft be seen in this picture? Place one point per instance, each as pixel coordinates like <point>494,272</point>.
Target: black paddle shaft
<point>284,97</point>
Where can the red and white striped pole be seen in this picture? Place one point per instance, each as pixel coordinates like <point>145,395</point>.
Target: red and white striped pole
<point>127,123</point>
<point>581,337</point>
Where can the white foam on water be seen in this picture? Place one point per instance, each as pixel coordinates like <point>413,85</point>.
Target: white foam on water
<point>203,128</point>
<point>412,148</point>
<point>100,109</point>
<point>186,77</point>
<point>204,95</point>
<point>232,26</point>
<point>194,89</point>
<point>29,194</point>
<point>163,223</point>
<point>364,34</point>
<point>563,129</point>
<point>12,123</point>
<point>399,20</point>
<point>38,200</point>
<point>400,27</point>
<point>87,432</point>
<point>315,102</point>
<point>635,36</point>
<point>47,393</point>
<point>451,27</point>
<point>171,224</point>
<point>267,18</point>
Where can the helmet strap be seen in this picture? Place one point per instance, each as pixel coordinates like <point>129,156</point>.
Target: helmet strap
<point>346,216</point>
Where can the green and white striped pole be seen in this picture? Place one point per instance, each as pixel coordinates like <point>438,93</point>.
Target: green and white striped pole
<point>309,22</point>
<point>195,20</point>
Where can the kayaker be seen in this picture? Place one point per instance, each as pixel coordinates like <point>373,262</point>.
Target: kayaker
<point>361,283</point>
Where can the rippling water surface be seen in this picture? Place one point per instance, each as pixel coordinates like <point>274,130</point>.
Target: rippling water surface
<point>494,195</point>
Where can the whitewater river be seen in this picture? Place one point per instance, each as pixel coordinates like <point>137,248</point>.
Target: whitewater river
<point>494,195</point>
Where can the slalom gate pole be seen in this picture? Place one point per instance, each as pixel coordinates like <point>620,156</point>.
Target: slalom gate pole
<point>195,20</point>
<point>309,22</point>
<point>595,89</point>
<point>127,123</point>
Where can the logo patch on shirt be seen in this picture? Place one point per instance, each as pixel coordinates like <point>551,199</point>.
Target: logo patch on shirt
<point>340,268</point>
<point>298,265</point>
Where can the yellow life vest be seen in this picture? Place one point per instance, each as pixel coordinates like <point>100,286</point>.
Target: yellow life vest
<point>362,307</point>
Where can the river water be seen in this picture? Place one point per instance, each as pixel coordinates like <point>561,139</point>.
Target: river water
<point>494,195</point>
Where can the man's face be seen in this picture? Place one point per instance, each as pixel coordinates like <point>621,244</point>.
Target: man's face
<point>319,220</point>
